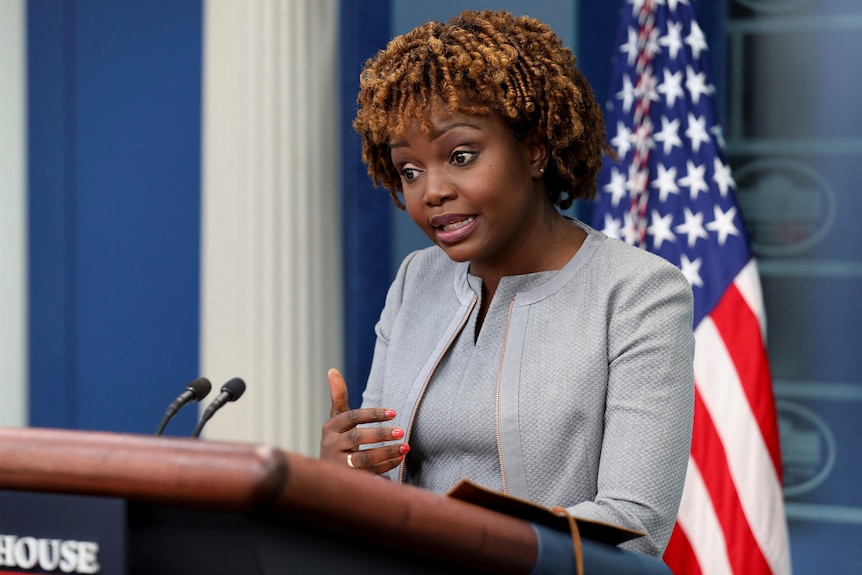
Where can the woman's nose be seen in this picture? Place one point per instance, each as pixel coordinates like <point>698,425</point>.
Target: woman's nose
<point>438,189</point>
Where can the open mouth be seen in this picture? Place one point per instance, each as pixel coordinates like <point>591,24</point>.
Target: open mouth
<point>451,227</point>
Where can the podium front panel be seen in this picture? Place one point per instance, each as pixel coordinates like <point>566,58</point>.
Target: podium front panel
<point>49,532</point>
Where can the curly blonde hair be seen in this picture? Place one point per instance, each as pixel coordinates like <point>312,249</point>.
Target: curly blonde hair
<point>477,63</point>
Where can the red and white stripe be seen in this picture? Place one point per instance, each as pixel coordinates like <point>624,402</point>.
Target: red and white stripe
<point>639,171</point>
<point>731,518</point>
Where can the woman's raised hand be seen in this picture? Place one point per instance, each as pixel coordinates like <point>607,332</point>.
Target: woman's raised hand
<point>341,438</point>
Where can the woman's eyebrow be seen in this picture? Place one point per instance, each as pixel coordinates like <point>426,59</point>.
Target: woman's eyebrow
<point>436,133</point>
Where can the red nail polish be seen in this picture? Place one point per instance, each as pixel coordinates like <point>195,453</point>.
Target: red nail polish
<point>397,433</point>
<point>400,458</point>
<point>404,449</point>
<point>390,413</point>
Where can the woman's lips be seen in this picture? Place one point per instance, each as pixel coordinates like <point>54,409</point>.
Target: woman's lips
<point>452,228</point>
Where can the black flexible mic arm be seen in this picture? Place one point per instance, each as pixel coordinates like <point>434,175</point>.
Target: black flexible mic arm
<point>231,391</point>
<point>195,391</point>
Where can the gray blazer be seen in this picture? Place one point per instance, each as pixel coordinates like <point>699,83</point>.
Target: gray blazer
<point>596,385</point>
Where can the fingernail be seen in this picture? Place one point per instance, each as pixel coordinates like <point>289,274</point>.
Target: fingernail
<point>390,413</point>
<point>397,433</point>
<point>404,449</point>
<point>400,458</point>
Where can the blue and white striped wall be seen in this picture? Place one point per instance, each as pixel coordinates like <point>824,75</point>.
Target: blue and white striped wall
<point>13,227</point>
<point>170,179</point>
<point>182,195</point>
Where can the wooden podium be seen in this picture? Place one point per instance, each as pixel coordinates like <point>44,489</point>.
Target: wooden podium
<point>195,506</point>
<point>155,505</point>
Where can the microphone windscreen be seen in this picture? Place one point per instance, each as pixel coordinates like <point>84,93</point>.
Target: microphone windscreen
<point>200,388</point>
<point>234,388</point>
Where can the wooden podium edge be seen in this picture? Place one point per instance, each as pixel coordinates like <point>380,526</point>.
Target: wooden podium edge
<point>167,471</point>
<point>376,511</point>
<point>266,481</point>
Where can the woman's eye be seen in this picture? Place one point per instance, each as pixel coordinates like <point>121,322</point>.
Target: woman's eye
<point>409,174</point>
<point>462,157</point>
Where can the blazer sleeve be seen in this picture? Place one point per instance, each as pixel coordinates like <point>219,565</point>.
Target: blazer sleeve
<point>649,406</point>
<point>373,394</point>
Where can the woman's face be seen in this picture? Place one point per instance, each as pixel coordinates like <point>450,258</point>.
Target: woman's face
<point>472,187</point>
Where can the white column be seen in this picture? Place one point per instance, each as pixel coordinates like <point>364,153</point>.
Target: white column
<point>13,214</point>
<point>271,285</point>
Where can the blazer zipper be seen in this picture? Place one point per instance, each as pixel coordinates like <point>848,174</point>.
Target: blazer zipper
<point>430,375</point>
<point>497,432</point>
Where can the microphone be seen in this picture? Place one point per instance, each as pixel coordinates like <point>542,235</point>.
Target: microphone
<point>231,391</point>
<point>195,391</point>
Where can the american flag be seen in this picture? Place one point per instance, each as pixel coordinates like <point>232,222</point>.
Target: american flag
<point>672,193</point>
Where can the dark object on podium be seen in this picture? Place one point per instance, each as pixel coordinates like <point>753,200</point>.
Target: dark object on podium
<point>467,490</point>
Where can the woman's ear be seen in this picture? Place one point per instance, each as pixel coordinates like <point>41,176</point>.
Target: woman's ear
<point>538,155</point>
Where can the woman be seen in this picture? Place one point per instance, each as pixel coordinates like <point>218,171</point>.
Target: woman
<point>524,350</point>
